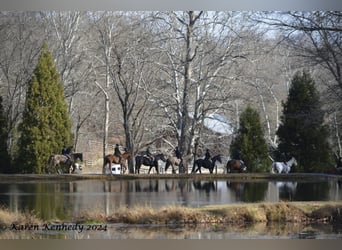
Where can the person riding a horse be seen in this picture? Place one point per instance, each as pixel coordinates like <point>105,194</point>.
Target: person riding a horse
<point>238,157</point>
<point>207,155</point>
<point>66,151</point>
<point>117,152</point>
<point>178,153</point>
<point>149,154</point>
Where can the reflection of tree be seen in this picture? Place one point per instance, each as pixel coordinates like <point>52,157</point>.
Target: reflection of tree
<point>312,191</point>
<point>49,201</point>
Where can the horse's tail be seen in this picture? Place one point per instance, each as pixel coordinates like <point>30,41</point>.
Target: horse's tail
<point>272,168</point>
<point>51,160</point>
<point>194,166</point>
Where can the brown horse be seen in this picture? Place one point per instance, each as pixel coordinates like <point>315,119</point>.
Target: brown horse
<point>110,159</point>
<point>236,165</point>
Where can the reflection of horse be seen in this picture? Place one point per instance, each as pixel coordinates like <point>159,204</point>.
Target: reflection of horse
<point>110,159</point>
<point>209,164</point>
<point>286,189</point>
<point>172,161</point>
<point>281,167</point>
<point>144,160</point>
<point>66,164</point>
<point>236,165</point>
<point>236,187</point>
<point>206,186</point>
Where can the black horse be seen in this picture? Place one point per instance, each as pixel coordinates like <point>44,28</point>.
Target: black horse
<point>144,160</point>
<point>209,164</point>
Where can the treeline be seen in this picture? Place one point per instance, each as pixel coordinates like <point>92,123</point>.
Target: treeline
<point>149,77</point>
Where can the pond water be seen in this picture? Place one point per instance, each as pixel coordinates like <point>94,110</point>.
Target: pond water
<point>65,200</point>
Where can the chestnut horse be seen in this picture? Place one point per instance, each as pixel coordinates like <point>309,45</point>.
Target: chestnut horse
<point>236,165</point>
<point>110,159</point>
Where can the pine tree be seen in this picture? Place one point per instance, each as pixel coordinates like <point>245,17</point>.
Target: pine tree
<point>46,124</point>
<point>302,133</point>
<point>5,159</point>
<point>250,144</point>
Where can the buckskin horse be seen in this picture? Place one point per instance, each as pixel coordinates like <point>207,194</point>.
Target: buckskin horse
<point>110,159</point>
<point>172,161</point>
<point>236,165</point>
<point>144,160</point>
<point>209,164</point>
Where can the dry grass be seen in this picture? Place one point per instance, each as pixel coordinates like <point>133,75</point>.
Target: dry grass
<point>233,214</point>
<point>297,212</point>
<point>7,217</point>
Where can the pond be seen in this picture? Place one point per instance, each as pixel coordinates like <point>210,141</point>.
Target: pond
<point>64,200</point>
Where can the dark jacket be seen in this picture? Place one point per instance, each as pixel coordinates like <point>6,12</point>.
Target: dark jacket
<point>117,151</point>
<point>207,155</point>
<point>178,153</point>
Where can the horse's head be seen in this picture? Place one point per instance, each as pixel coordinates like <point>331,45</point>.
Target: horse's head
<point>216,158</point>
<point>127,154</point>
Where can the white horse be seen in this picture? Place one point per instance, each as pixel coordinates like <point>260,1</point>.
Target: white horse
<point>281,167</point>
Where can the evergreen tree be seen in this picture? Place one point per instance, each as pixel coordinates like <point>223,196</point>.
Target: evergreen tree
<point>5,159</point>
<point>302,133</point>
<point>250,144</point>
<point>46,124</point>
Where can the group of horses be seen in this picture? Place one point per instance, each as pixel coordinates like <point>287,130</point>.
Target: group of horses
<point>233,165</point>
<point>69,163</point>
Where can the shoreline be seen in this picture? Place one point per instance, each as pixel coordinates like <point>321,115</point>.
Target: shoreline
<point>230,176</point>
<point>231,214</point>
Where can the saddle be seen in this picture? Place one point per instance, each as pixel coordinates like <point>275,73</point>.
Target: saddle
<point>150,158</point>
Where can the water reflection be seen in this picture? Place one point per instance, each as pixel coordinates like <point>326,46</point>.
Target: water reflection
<point>200,231</point>
<point>63,200</point>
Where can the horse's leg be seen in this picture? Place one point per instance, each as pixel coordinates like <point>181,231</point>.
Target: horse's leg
<point>167,165</point>
<point>173,168</point>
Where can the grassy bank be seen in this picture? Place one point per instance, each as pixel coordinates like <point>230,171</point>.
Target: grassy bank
<point>232,214</point>
<point>300,212</point>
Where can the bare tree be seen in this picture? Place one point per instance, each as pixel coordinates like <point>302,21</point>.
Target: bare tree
<point>198,51</point>
<point>316,36</point>
<point>21,40</point>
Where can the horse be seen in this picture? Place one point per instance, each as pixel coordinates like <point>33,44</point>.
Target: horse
<point>172,161</point>
<point>60,160</point>
<point>236,165</point>
<point>209,164</point>
<point>283,167</point>
<point>144,160</point>
<point>110,159</point>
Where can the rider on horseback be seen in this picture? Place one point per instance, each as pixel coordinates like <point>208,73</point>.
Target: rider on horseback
<point>149,154</point>
<point>117,152</point>
<point>207,155</point>
<point>238,156</point>
<point>66,152</point>
<point>178,153</point>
